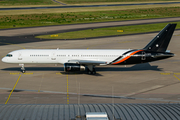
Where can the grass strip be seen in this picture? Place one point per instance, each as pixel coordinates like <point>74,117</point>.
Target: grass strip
<point>110,31</point>
<point>50,2</point>
<point>104,1</point>
<point>30,20</point>
<point>27,2</point>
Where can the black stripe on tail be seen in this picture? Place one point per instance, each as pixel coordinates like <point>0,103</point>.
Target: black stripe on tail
<point>161,41</point>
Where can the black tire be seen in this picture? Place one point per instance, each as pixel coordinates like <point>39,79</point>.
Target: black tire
<point>23,71</point>
<point>93,72</point>
<point>89,72</point>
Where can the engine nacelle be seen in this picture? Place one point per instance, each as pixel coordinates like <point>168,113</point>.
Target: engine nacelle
<point>72,67</point>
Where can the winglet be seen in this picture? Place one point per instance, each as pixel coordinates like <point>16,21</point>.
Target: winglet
<point>161,41</point>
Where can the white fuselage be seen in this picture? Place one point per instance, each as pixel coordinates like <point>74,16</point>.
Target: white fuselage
<point>62,55</point>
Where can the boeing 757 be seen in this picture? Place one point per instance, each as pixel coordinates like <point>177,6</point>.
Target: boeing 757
<point>80,59</point>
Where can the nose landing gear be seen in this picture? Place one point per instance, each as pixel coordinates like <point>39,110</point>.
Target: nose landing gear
<point>22,68</point>
<point>23,71</point>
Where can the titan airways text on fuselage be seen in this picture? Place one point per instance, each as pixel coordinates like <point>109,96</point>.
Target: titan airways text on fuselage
<point>79,59</point>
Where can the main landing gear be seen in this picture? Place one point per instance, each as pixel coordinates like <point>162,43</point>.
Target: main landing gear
<point>91,70</point>
<point>22,68</point>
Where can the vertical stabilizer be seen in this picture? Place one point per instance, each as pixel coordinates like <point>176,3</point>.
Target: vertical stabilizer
<point>161,41</point>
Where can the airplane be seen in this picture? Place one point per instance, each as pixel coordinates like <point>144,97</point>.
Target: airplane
<point>82,59</point>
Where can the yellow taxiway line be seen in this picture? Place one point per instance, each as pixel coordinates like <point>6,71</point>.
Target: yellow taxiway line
<point>12,89</point>
<point>170,74</point>
<point>176,77</point>
<point>58,74</point>
<point>14,73</point>
<point>165,73</point>
<point>22,73</point>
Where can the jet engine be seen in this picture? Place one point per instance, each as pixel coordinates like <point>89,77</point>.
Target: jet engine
<point>72,67</point>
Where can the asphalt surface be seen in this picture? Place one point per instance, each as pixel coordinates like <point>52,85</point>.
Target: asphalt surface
<point>72,27</point>
<point>82,6</point>
<point>156,82</point>
<point>27,35</point>
<point>59,2</point>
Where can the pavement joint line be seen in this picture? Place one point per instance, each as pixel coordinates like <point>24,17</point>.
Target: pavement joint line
<point>13,89</point>
<point>176,77</point>
<point>67,91</point>
<point>144,90</point>
<point>41,83</point>
<point>104,96</point>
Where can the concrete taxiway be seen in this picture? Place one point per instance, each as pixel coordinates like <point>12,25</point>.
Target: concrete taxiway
<point>156,82</point>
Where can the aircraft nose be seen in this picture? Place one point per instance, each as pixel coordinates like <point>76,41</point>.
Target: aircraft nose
<point>4,59</point>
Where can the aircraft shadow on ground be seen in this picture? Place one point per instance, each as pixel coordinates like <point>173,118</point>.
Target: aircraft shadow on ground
<point>137,67</point>
<point>16,90</point>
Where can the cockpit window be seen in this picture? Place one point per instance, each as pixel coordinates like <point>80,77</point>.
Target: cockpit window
<point>9,55</point>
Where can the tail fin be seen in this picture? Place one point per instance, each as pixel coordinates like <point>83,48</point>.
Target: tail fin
<point>161,41</point>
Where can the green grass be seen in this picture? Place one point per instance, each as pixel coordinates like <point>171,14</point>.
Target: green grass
<point>50,2</point>
<point>26,2</point>
<point>102,1</point>
<point>108,31</point>
<point>15,21</point>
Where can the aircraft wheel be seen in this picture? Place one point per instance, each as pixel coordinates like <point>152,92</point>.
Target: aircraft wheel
<point>93,72</point>
<point>23,71</point>
<point>89,72</point>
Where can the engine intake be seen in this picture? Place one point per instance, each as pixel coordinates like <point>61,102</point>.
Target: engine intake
<point>72,67</point>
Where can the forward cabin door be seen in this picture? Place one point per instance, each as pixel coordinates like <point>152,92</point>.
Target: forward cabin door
<point>53,56</point>
<point>20,56</point>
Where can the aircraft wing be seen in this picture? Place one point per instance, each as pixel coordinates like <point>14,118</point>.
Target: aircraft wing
<point>88,62</point>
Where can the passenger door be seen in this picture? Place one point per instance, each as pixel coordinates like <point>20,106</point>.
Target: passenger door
<point>53,56</point>
<point>20,56</point>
